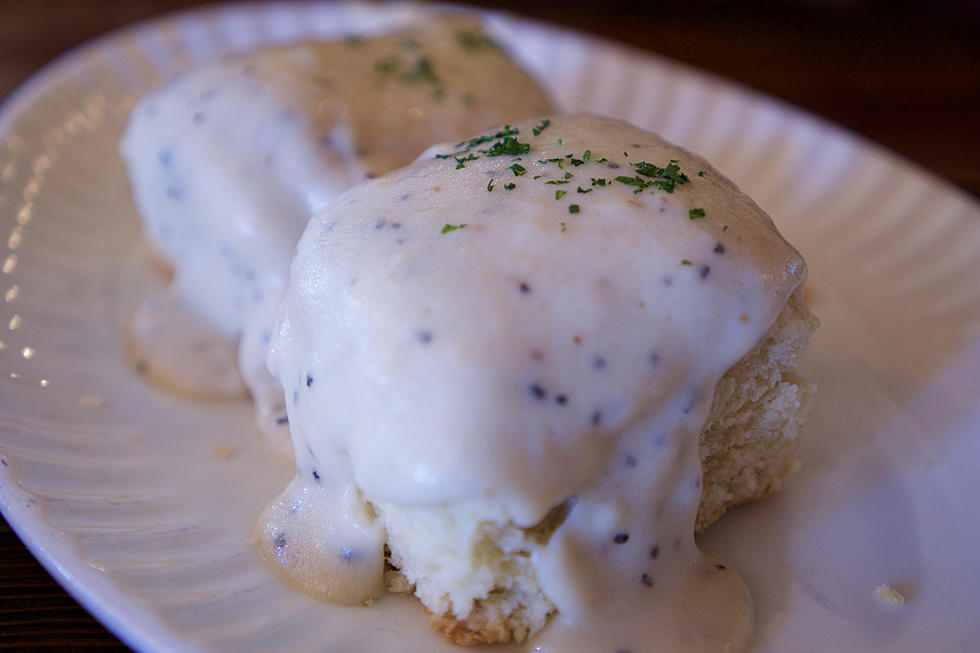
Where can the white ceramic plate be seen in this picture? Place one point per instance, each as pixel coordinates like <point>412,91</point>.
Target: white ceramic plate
<point>115,488</point>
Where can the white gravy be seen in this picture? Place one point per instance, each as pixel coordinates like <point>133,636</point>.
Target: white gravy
<point>522,327</point>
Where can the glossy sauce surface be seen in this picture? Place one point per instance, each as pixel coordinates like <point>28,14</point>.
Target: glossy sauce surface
<point>536,316</point>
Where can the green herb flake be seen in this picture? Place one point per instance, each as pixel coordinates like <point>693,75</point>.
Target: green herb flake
<point>725,228</point>
<point>576,162</point>
<point>601,159</point>
<point>694,214</point>
<point>490,186</point>
<point>510,186</point>
<point>559,142</point>
<point>422,72</point>
<point>559,194</point>
<point>541,127</point>
<point>517,169</point>
<point>573,208</point>
<point>686,262</point>
<point>586,155</point>
<point>585,190</point>
<point>536,177</point>
<point>509,145</point>
<point>556,182</point>
<point>568,175</point>
<point>700,173</point>
<point>452,227</point>
<point>598,182</point>
<point>387,65</point>
<point>639,183</point>
<point>473,40</point>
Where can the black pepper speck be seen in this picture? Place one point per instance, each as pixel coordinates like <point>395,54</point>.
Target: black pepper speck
<point>424,337</point>
<point>621,538</point>
<point>537,391</point>
<point>349,554</point>
<point>561,399</point>
<point>316,476</point>
<point>282,420</point>
<point>525,289</point>
<point>721,567</point>
<point>705,271</point>
<point>655,552</point>
<point>646,580</point>
<point>654,358</point>
<point>719,249</point>
<point>630,460</point>
<point>280,542</point>
<point>596,418</point>
<point>309,380</point>
<point>599,363</point>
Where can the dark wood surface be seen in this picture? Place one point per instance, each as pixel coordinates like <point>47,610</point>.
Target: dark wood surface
<point>900,74</point>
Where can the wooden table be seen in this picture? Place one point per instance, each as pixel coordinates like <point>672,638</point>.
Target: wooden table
<point>906,78</point>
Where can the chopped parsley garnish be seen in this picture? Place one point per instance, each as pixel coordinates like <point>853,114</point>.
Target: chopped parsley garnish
<point>517,169</point>
<point>665,178</point>
<point>559,142</point>
<point>510,186</point>
<point>541,127</point>
<point>634,181</point>
<point>598,182</point>
<point>686,262</point>
<point>490,186</point>
<point>559,194</point>
<point>568,175</point>
<point>573,208</point>
<point>587,155</point>
<point>509,145</point>
<point>474,40</point>
<point>700,173</point>
<point>386,65</point>
<point>452,227</point>
<point>694,214</point>
<point>422,72</point>
<point>585,190</point>
<point>556,182</point>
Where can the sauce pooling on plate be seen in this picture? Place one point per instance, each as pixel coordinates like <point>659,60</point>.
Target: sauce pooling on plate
<point>533,318</point>
<point>228,162</point>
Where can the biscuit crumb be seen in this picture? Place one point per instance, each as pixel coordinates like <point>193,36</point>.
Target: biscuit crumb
<point>368,602</point>
<point>92,402</point>
<point>888,597</point>
<point>223,451</point>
